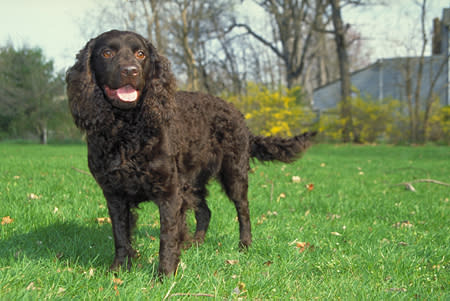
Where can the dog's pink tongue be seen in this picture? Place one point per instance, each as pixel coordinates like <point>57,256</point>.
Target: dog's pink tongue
<point>127,94</point>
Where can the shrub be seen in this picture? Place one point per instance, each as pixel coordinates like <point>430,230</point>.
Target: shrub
<point>384,120</point>
<point>439,129</point>
<point>373,120</point>
<point>274,112</point>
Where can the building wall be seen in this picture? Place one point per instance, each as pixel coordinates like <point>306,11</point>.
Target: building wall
<point>387,78</point>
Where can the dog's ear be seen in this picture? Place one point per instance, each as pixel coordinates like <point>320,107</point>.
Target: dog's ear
<point>159,99</point>
<point>87,102</point>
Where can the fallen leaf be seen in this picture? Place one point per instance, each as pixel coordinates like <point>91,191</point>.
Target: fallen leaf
<point>333,216</point>
<point>232,261</point>
<point>436,267</point>
<point>61,290</point>
<point>296,179</point>
<point>261,219</point>
<point>31,286</point>
<point>268,263</point>
<point>385,240</point>
<point>103,220</point>
<point>307,212</point>
<point>336,233</point>
<point>55,210</point>
<point>403,224</point>
<point>322,164</point>
<point>117,281</point>
<point>241,286</point>
<point>16,177</point>
<point>7,220</point>
<point>32,196</point>
<point>303,246</point>
<point>281,196</point>
<point>310,187</point>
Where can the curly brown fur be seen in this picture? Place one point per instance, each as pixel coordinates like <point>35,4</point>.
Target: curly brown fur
<point>148,142</point>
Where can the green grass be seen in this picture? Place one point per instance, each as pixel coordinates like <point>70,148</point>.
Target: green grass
<point>362,237</point>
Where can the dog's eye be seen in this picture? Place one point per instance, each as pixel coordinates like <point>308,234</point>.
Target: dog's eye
<point>140,54</point>
<point>107,53</point>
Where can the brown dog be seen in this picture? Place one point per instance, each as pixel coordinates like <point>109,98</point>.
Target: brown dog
<point>148,142</point>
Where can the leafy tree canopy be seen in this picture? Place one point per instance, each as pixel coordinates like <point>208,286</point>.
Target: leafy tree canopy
<point>31,93</point>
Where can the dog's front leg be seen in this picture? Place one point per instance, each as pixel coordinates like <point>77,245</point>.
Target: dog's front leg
<point>122,220</point>
<point>171,218</point>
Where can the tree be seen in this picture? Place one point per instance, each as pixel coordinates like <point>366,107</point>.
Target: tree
<point>420,95</point>
<point>342,41</point>
<point>187,31</point>
<point>30,92</point>
<point>344,68</point>
<point>292,33</point>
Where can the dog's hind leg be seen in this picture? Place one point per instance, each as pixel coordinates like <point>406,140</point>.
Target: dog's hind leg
<point>234,179</point>
<point>202,216</point>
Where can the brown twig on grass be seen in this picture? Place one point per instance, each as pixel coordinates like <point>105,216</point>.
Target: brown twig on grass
<point>408,185</point>
<point>81,171</point>
<point>191,295</point>
<point>423,181</point>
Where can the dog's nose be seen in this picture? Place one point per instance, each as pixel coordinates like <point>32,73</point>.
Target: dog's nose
<point>129,71</point>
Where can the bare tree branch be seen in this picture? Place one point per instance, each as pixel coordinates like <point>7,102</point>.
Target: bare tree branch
<point>258,37</point>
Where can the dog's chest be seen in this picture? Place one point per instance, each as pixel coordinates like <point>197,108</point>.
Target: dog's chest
<point>128,164</point>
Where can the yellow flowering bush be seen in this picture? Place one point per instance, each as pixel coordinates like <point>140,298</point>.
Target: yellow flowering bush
<point>274,112</point>
<point>384,120</point>
<point>373,120</point>
<point>439,129</point>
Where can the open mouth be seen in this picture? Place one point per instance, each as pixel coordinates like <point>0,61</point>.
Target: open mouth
<point>125,94</point>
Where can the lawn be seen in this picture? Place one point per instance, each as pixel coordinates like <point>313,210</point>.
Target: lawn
<point>331,225</point>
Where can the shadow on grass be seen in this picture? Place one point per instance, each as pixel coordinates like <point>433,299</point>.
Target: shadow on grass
<point>68,243</point>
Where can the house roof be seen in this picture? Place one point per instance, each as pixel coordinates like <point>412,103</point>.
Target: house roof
<point>383,62</point>
<point>386,78</point>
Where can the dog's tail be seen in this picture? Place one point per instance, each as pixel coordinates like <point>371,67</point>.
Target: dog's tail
<point>280,149</point>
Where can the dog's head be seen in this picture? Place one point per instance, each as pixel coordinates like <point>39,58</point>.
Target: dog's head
<point>119,70</point>
<point>120,61</point>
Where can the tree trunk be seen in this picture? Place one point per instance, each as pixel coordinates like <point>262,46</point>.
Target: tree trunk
<point>192,71</point>
<point>409,97</point>
<point>420,132</point>
<point>344,70</point>
<point>155,10</point>
<point>44,135</point>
